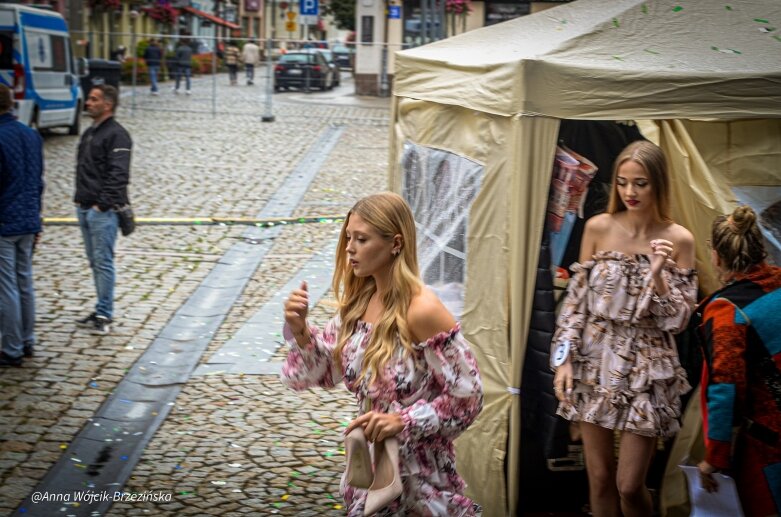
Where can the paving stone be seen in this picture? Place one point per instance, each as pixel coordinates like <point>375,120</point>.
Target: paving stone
<point>184,166</point>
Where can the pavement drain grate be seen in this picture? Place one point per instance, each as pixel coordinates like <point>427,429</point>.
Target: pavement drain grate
<point>99,468</point>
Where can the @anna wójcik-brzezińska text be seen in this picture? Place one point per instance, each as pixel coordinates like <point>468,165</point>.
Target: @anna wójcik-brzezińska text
<point>97,496</point>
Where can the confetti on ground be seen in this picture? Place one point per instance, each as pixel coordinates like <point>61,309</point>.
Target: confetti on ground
<point>337,507</point>
<point>726,50</point>
<point>218,483</point>
<point>677,9</point>
<point>761,20</point>
<point>615,23</point>
<point>285,497</point>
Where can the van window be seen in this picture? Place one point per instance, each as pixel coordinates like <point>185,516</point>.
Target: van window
<point>6,54</point>
<point>47,52</point>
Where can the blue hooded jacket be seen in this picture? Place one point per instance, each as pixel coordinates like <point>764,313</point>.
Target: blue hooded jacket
<point>21,178</point>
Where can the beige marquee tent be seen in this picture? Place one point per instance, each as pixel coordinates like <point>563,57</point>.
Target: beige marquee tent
<point>701,77</point>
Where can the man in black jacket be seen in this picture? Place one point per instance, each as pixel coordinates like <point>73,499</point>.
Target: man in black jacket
<point>153,55</point>
<point>102,176</point>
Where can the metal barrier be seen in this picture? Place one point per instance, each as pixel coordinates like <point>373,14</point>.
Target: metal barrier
<point>270,51</point>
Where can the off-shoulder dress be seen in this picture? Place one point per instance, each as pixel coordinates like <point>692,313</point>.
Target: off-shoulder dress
<point>437,391</point>
<point>620,333</point>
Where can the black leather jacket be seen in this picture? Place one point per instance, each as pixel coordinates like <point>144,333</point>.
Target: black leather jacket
<point>103,166</point>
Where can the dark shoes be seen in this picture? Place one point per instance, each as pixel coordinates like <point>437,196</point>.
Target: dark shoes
<point>97,324</point>
<point>6,361</point>
<point>28,351</point>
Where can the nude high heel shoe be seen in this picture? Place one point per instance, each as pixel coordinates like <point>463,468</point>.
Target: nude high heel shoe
<point>359,463</point>
<point>387,481</point>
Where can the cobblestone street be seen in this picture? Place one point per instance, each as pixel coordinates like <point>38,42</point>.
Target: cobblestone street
<point>233,442</point>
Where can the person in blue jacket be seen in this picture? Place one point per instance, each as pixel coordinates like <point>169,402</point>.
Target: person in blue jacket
<point>21,190</point>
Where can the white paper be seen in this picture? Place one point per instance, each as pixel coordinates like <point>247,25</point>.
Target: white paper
<point>724,503</point>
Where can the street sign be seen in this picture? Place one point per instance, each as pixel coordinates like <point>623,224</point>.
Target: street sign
<point>394,12</point>
<point>290,26</point>
<point>291,15</point>
<point>309,7</point>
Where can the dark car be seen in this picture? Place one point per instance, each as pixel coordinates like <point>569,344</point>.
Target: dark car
<point>329,58</point>
<point>303,70</point>
<point>343,56</point>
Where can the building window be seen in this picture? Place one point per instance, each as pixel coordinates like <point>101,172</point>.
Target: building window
<point>498,12</point>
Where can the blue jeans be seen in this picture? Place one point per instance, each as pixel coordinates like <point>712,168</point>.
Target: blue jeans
<point>17,295</point>
<point>185,71</point>
<point>99,230</point>
<point>153,71</point>
<point>250,69</point>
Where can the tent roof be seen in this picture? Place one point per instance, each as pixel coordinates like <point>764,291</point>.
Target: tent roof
<point>610,59</point>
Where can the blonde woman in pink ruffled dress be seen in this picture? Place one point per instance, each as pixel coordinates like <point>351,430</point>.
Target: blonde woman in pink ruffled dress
<point>400,352</point>
<point>617,366</point>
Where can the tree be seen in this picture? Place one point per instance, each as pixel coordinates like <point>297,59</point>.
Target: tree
<point>343,12</point>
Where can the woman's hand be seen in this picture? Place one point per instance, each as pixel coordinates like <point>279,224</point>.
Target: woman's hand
<point>662,251</point>
<point>563,382</point>
<point>296,310</point>
<point>377,426</point>
<point>707,480</point>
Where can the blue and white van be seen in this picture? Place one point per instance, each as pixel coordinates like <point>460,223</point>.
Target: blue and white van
<point>36,62</point>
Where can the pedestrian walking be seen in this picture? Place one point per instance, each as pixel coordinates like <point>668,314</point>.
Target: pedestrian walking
<point>232,57</point>
<point>399,350</point>
<point>183,57</point>
<point>741,379</point>
<point>153,56</point>
<point>21,190</point>
<point>616,361</point>
<point>102,177</point>
<point>250,54</point>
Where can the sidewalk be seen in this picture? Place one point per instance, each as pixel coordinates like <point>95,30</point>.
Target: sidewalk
<point>231,443</point>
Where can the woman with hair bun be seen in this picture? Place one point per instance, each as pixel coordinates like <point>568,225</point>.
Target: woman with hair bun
<point>400,352</point>
<point>740,332</point>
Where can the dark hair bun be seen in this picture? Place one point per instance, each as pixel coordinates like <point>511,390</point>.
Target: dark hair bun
<point>744,219</point>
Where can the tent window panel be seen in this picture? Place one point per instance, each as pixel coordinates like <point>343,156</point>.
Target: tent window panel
<point>440,187</point>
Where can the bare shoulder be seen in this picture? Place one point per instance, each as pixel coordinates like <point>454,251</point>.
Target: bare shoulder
<point>683,245</point>
<point>599,224</point>
<point>427,316</point>
<point>680,235</point>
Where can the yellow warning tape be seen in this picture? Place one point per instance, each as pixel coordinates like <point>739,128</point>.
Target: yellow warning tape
<point>249,221</point>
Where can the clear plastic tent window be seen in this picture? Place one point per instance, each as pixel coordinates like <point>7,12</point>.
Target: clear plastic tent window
<point>440,187</point>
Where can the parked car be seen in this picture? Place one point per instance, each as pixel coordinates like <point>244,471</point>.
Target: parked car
<point>329,58</point>
<point>37,64</point>
<point>343,56</point>
<point>303,70</point>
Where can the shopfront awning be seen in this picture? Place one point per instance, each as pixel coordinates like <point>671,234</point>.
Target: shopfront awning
<point>212,18</point>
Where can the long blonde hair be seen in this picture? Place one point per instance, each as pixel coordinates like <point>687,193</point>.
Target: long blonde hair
<point>651,158</point>
<point>389,215</point>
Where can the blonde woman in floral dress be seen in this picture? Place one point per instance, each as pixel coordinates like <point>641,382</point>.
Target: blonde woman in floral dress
<point>617,366</point>
<point>398,349</point>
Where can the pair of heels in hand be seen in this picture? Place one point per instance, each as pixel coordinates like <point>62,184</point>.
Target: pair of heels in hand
<point>384,483</point>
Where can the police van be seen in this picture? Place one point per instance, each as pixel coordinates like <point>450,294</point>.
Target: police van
<point>36,62</point>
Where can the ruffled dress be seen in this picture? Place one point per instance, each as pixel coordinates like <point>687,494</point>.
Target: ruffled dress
<point>438,393</point>
<point>620,332</point>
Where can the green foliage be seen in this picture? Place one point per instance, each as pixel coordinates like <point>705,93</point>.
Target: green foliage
<point>343,12</point>
<point>142,72</point>
<point>141,47</point>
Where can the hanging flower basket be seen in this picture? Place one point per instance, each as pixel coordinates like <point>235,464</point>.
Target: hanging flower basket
<point>106,5</point>
<point>458,6</point>
<point>164,13</point>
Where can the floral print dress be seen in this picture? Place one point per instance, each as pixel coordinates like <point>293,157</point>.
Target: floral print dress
<point>624,358</point>
<point>436,390</point>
